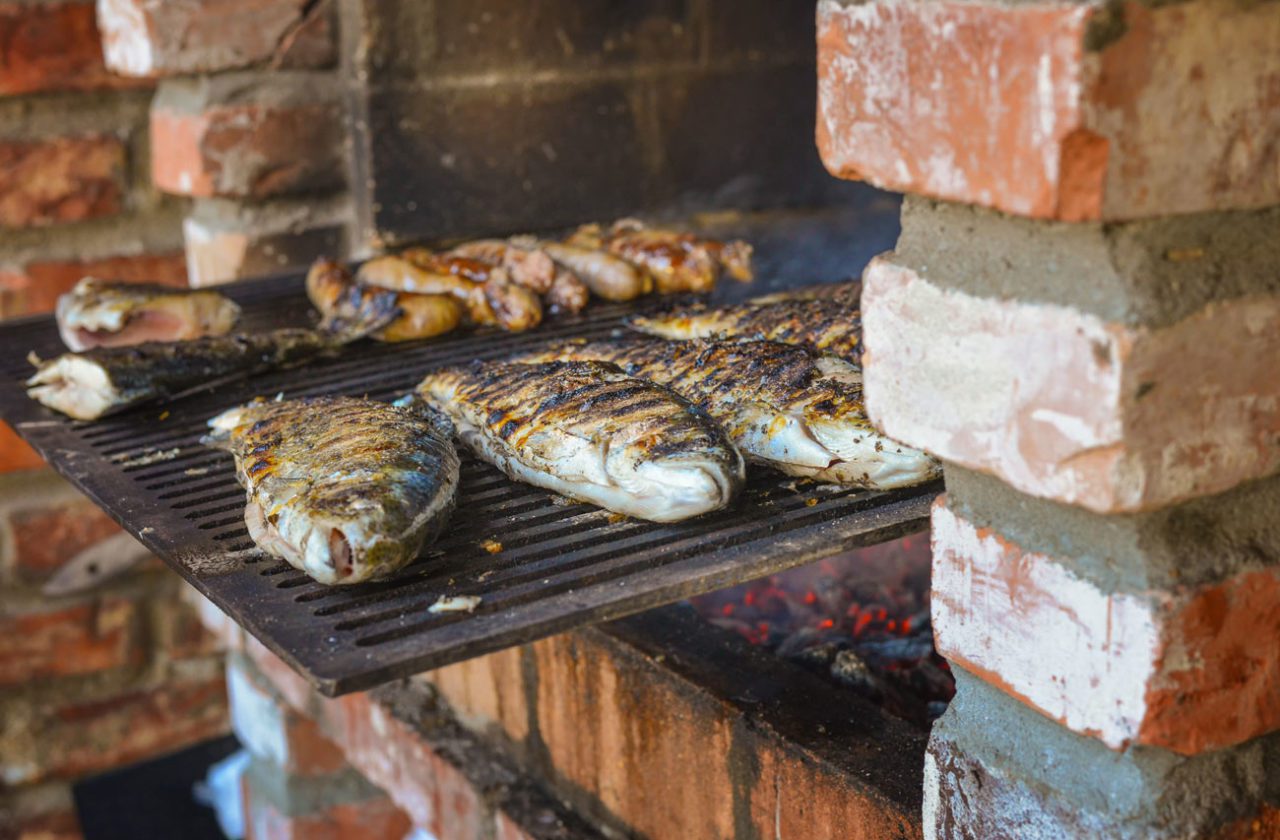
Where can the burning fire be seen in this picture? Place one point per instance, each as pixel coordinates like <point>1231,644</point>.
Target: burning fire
<point>860,618</point>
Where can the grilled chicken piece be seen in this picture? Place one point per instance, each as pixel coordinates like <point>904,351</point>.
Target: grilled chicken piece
<point>831,325</point>
<point>525,262</point>
<point>485,290</point>
<point>100,314</point>
<point>105,380</point>
<point>677,262</point>
<point>330,285</point>
<point>589,432</point>
<point>781,405</point>
<point>607,276</point>
<point>567,293</point>
<point>343,489</point>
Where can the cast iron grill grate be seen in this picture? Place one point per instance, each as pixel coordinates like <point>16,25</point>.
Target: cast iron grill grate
<point>560,565</point>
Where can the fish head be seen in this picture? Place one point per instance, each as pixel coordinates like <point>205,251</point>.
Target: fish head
<point>679,474</point>
<point>75,385</point>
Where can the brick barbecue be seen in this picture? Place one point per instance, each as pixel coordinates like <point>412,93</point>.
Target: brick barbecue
<point>1079,316</point>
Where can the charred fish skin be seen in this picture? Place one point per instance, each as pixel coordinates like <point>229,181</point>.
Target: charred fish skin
<point>344,489</point>
<point>103,380</point>
<point>98,313</point>
<point>589,432</point>
<point>830,323</point>
<point>781,405</point>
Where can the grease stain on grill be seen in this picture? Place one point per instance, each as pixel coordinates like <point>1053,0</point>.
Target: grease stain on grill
<point>562,563</point>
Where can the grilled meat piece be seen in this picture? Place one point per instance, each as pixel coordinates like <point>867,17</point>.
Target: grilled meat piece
<point>344,489</point>
<point>677,262</point>
<point>831,324</point>
<point>485,290</point>
<point>400,274</point>
<point>567,293</point>
<point>97,313</point>
<point>105,380</point>
<point>330,286</point>
<point>781,405</point>
<point>588,431</point>
<point>524,260</point>
<point>607,276</point>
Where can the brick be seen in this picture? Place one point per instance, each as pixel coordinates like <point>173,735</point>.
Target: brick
<point>68,741</point>
<point>235,138</point>
<point>226,242</point>
<point>33,289</point>
<point>1069,111</point>
<point>73,640</point>
<point>273,731</point>
<point>46,537</point>
<point>996,769</point>
<point>1065,405</point>
<point>229,634</point>
<point>178,629</point>
<point>52,46</point>
<point>15,453</point>
<point>669,740</point>
<point>157,38</point>
<point>1175,668</point>
<point>375,819</point>
<point>65,179</point>
<point>486,692</point>
<point>63,825</point>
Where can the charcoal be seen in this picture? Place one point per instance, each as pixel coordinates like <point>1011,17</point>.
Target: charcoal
<point>849,669</point>
<point>895,648</point>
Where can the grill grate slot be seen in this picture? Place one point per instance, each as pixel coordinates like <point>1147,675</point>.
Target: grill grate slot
<point>560,563</point>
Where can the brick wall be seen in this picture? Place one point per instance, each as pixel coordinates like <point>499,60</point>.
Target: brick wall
<point>92,681</point>
<point>1080,319</point>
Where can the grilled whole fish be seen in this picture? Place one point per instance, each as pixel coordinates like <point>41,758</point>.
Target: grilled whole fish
<point>104,380</point>
<point>589,432</point>
<point>781,405</point>
<point>97,313</point>
<point>343,489</point>
<point>676,261</point>
<point>831,324</point>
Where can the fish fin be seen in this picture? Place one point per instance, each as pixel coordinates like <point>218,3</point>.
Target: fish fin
<point>359,313</point>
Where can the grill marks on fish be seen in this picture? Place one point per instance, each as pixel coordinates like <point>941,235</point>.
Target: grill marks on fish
<point>343,489</point>
<point>822,323</point>
<point>781,405</point>
<point>588,431</point>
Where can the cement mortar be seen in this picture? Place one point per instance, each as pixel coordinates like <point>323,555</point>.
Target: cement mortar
<point>295,796</point>
<point>1198,542</point>
<point>1051,776</point>
<point>1150,273</point>
<point>279,89</point>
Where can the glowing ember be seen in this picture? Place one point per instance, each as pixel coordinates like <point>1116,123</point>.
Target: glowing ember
<point>861,619</point>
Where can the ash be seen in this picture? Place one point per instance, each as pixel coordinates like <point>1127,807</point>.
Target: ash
<point>859,619</point>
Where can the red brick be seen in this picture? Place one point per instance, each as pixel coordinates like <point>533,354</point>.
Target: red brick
<point>1065,405</point>
<point>226,243</point>
<point>69,641</point>
<point>45,538</point>
<point>77,739</point>
<point>34,288</point>
<point>15,453</point>
<point>148,38</point>
<point>1054,110</point>
<point>180,632</point>
<point>1179,669</point>
<point>373,819</point>
<point>246,150</point>
<point>66,179</point>
<point>52,46</point>
<point>486,692</point>
<point>63,825</point>
<point>270,729</point>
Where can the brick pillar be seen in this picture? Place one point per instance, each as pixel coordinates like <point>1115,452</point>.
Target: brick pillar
<point>1082,318</point>
<point>246,122</point>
